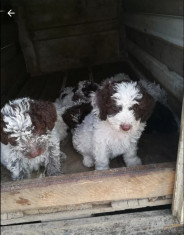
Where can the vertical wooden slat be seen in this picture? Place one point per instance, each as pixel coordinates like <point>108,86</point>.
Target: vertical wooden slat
<point>178,195</point>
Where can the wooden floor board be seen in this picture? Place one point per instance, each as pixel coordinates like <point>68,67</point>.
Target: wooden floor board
<point>157,222</point>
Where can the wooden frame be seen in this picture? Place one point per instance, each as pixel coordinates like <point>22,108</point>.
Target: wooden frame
<point>150,222</point>
<point>80,194</point>
<point>178,195</point>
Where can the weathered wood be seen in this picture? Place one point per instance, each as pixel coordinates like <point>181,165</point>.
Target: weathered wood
<point>81,211</point>
<point>158,48</point>
<point>67,192</point>
<point>26,43</point>
<point>170,80</point>
<point>75,30</point>
<point>151,222</point>
<point>49,14</point>
<point>178,199</point>
<point>65,53</point>
<point>168,7</point>
<point>169,28</point>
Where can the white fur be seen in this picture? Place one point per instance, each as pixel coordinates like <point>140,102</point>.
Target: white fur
<point>155,91</point>
<point>19,125</point>
<point>99,141</point>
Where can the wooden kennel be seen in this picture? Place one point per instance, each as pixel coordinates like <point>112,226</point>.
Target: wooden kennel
<point>51,44</point>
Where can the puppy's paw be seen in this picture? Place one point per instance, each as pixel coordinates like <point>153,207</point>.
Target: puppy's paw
<point>88,161</point>
<point>136,161</point>
<point>100,168</point>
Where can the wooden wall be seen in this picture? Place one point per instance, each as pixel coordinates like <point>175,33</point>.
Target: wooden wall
<point>57,35</point>
<point>13,69</point>
<point>154,41</point>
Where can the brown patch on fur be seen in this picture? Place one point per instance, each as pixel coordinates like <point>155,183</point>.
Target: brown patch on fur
<point>78,111</point>
<point>144,109</point>
<point>43,116</point>
<point>5,138</point>
<point>106,104</point>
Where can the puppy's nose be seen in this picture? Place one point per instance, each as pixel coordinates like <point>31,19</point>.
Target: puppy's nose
<point>36,153</point>
<point>126,127</point>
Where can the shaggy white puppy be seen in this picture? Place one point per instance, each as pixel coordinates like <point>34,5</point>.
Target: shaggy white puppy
<point>121,108</point>
<point>31,131</point>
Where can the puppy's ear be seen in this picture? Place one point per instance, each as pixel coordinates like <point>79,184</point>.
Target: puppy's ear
<point>43,115</point>
<point>146,105</point>
<point>4,138</point>
<point>103,101</point>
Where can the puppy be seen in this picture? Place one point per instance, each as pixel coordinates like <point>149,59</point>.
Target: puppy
<point>31,131</point>
<point>75,102</point>
<point>121,108</point>
<point>74,95</point>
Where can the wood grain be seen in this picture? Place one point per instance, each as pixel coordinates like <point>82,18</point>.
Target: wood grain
<point>178,195</point>
<point>90,187</point>
<point>149,222</point>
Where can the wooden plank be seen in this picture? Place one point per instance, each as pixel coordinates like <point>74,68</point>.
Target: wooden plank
<point>75,30</point>
<point>170,80</point>
<point>178,199</point>
<point>168,7</point>
<point>148,222</point>
<point>83,211</point>
<point>65,192</point>
<point>169,28</point>
<point>26,43</point>
<point>158,48</point>
<point>54,14</point>
<point>65,53</point>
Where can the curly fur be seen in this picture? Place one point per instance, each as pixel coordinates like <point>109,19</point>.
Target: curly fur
<point>121,108</point>
<point>74,102</point>
<point>30,137</point>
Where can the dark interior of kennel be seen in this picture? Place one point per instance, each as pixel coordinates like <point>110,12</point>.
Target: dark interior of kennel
<point>48,45</point>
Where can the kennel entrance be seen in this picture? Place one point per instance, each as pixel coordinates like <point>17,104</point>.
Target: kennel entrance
<point>87,41</point>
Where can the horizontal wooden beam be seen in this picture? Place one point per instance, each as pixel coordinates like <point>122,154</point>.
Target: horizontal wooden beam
<point>68,192</point>
<point>170,80</point>
<point>149,222</point>
<point>169,28</point>
<point>168,7</point>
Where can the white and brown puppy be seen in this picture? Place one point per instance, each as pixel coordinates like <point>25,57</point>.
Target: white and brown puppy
<point>31,131</point>
<point>75,102</point>
<point>121,108</point>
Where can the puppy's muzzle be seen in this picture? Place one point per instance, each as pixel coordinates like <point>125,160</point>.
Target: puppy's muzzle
<point>36,152</point>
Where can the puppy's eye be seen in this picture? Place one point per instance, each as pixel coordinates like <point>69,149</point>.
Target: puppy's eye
<point>117,108</point>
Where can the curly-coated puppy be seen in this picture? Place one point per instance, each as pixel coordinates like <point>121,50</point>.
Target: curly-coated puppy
<point>121,108</point>
<point>75,102</point>
<point>31,131</point>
